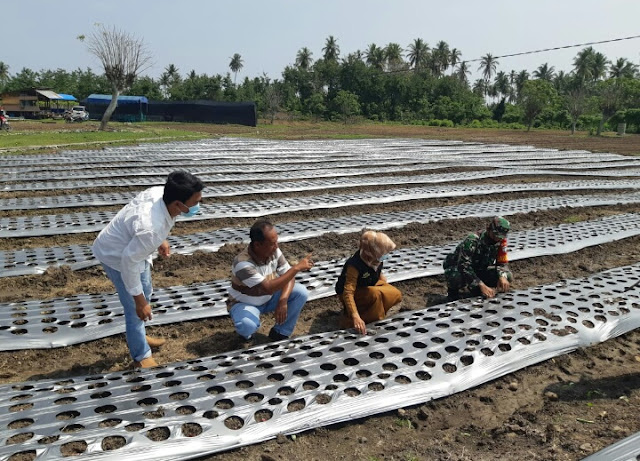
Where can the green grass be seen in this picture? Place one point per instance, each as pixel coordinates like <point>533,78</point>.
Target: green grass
<point>48,135</point>
<point>25,140</point>
<point>572,219</point>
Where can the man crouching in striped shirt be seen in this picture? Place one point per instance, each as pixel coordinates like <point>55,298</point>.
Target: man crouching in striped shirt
<point>262,281</point>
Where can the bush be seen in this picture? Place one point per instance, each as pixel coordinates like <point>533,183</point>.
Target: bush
<point>588,122</point>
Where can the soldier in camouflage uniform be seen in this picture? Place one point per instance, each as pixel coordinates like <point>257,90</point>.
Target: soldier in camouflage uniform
<point>479,262</point>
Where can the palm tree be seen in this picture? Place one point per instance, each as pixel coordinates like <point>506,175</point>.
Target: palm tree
<point>165,83</point>
<point>440,55</point>
<point>393,56</point>
<point>480,87</point>
<point>331,49</point>
<point>454,58</point>
<point>418,53</point>
<point>192,75</point>
<point>463,72</point>
<point>235,65</point>
<point>172,72</point>
<point>599,66</point>
<point>621,69</point>
<point>502,84</point>
<point>4,73</point>
<point>521,78</point>
<point>582,64</point>
<point>560,81</point>
<point>374,56</point>
<point>303,58</point>
<point>488,65</point>
<point>544,72</point>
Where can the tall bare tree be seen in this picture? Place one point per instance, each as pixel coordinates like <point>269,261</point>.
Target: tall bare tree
<point>122,57</point>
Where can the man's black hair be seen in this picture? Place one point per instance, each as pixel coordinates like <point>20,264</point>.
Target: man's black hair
<point>180,186</point>
<point>256,233</point>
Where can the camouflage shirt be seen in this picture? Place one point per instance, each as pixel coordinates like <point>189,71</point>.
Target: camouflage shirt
<point>476,253</point>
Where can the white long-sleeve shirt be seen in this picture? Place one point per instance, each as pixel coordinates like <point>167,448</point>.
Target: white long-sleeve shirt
<point>133,235</point>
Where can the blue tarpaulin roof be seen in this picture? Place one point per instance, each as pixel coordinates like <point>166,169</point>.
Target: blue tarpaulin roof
<point>66,97</point>
<point>106,99</point>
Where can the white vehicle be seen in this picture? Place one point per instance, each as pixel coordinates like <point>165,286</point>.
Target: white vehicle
<point>79,112</point>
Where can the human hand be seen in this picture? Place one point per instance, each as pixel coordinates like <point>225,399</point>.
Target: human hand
<point>164,249</point>
<point>305,263</point>
<point>503,284</point>
<point>359,325</point>
<point>144,312</point>
<point>486,291</point>
<point>280,313</point>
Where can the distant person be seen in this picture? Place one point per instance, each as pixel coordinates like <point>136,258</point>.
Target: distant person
<point>262,281</point>
<point>126,245</point>
<point>362,288</point>
<point>479,262</point>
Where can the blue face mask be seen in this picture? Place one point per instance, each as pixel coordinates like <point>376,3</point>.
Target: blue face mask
<point>192,211</point>
<point>383,257</point>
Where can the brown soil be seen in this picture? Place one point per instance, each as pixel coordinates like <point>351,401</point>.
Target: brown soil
<point>561,409</point>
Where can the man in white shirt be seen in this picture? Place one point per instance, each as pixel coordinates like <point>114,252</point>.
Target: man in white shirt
<point>125,248</point>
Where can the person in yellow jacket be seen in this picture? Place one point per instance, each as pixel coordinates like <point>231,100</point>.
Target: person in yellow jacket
<point>362,288</point>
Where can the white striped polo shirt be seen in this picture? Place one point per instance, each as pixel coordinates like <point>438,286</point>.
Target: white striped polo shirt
<point>247,275</point>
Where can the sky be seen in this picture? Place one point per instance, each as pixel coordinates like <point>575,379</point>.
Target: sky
<point>203,34</point>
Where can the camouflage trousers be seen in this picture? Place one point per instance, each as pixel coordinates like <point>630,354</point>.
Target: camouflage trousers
<point>457,280</point>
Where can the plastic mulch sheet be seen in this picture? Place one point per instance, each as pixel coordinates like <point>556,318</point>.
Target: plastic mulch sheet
<point>75,319</point>
<point>211,404</point>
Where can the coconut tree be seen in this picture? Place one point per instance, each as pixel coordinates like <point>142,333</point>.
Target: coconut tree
<point>374,56</point>
<point>513,95</point>
<point>488,66</point>
<point>561,82</point>
<point>331,49</point>
<point>582,64</point>
<point>235,65</point>
<point>521,78</point>
<point>462,73</point>
<point>393,56</point>
<point>480,87</point>
<point>303,58</point>
<point>418,53</point>
<point>501,84</point>
<point>454,58</point>
<point>440,56</point>
<point>621,69</point>
<point>172,73</point>
<point>165,83</point>
<point>4,73</point>
<point>599,66</point>
<point>544,72</point>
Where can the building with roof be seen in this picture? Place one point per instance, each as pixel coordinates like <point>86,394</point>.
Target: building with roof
<point>35,102</point>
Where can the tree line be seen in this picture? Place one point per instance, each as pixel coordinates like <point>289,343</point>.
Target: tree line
<point>418,84</point>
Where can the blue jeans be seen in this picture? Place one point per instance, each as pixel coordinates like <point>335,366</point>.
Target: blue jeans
<point>246,317</point>
<point>136,336</point>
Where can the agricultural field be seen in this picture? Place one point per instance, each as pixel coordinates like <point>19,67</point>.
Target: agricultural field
<point>547,372</point>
